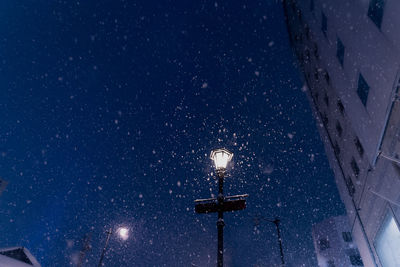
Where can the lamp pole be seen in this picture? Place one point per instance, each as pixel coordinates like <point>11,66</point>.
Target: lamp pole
<point>276,221</point>
<point>220,222</point>
<point>221,204</point>
<point>123,234</point>
<point>278,231</point>
<point>109,232</point>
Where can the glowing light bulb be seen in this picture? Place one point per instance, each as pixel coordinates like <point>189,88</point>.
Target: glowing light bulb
<point>221,158</point>
<point>123,233</point>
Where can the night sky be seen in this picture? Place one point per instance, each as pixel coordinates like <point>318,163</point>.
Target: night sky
<point>109,110</point>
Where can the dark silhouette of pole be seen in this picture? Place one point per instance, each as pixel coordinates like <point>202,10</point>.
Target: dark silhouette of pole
<point>220,222</point>
<point>276,222</point>
<point>109,232</point>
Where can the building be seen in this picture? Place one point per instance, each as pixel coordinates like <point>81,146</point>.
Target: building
<point>17,257</point>
<point>349,54</point>
<point>334,244</point>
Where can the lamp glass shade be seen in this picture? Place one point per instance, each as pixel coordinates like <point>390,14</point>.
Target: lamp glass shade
<point>221,158</point>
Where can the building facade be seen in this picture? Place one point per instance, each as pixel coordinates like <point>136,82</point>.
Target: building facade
<point>349,54</point>
<point>334,244</point>
<point>17,257</point>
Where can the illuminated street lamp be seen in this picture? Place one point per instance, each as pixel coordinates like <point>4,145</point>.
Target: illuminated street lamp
<point>122,233</point>
<point>221,158</point>
<point>221,204</point>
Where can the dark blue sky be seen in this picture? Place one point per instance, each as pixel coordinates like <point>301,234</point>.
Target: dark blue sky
<point>109,110</point>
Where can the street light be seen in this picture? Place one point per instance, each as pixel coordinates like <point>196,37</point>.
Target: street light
<point>221,204</point>
<point>221,158</point>
<point>122,232</point>
<point>276,221</point>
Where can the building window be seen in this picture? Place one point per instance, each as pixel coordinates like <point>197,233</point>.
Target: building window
<point>325,120</point>
<point>375,11</point>
<point>294,8</point>
<point>324,244</point>
<point>327,77</point>
<point>316,54</point>
<point>356,260</point>
<point>396,168</point>
<point>307,31</point>
<point>307,54</point>
<point>387,241</point>
<point>316,96</point>
<point>301,57</point>
<point>316,74</point>
<point>340,51</point>
<point>355,167</point>
<point>17,254</point>
<point>299,37</point>
<point>340,107</point>
<point>350,186</point>
<point>363,89</point>
<point>339,129</point>
<point>359,146</point>
<point>324,26</point>
<point>300,16</point>
<point>336,149</point>
<point>326,100</point>
<point>347,236</point>
<point>312,5</point>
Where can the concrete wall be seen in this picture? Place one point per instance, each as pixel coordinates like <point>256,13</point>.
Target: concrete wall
<point>339,251</point>
<point>344,123</point>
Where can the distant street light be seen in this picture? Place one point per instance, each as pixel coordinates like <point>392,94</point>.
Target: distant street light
<point>122,232</point>
<point>221,204</point>
<point>276,221</point>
